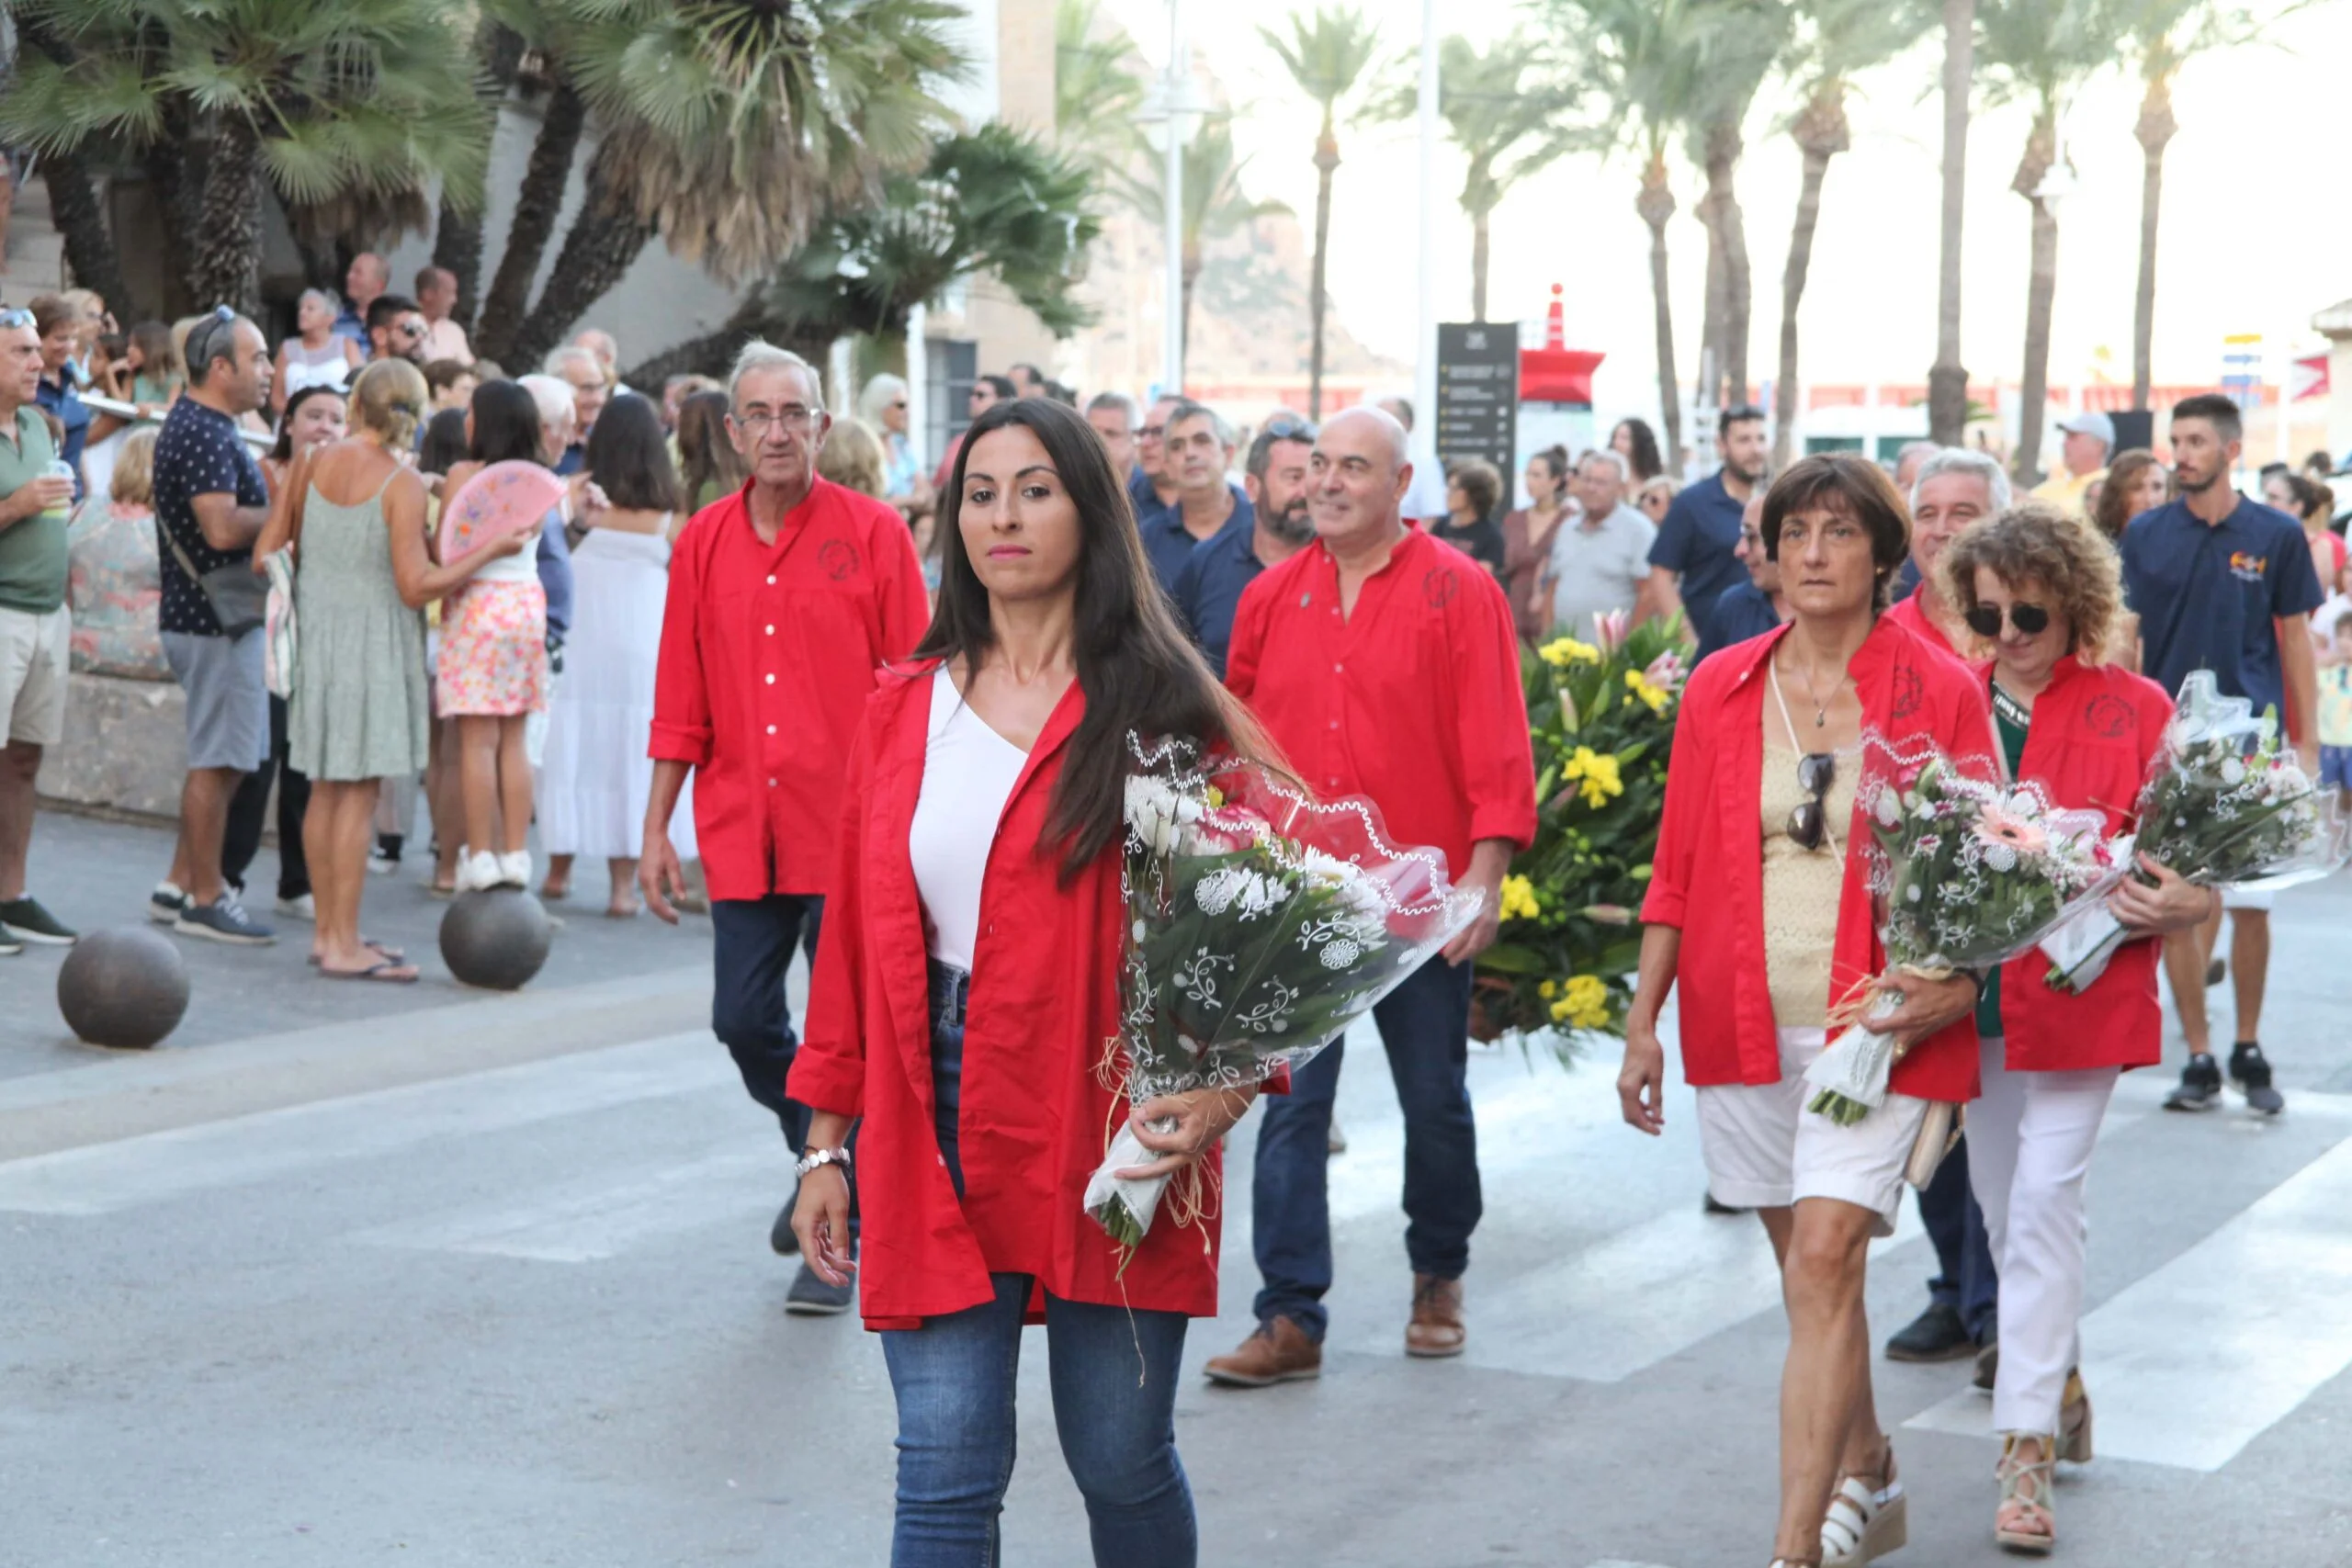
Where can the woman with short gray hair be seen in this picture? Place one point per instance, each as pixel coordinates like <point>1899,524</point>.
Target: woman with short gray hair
<point>314,356</point>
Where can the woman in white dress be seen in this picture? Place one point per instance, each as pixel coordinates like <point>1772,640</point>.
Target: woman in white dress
<point>597,776</point>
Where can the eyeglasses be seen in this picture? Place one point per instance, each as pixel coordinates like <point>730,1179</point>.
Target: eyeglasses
<point>1151,432</point>
<point>755,424</point>
<point>2031,620</point>
<point>17,317</point>
<point>409,329</point>
<point>1284,427</point>
<point>1809,823</point>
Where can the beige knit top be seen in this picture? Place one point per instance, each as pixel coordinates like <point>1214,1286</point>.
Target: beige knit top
<point>1802,888</point>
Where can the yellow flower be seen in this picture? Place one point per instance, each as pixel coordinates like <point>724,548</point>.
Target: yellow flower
<point>1563,651</point>
<point>1547,988</point>
<point>1648,690</point>
<point>1594,773</point>
<point>1519,900</point>
<point>1585,1005</point>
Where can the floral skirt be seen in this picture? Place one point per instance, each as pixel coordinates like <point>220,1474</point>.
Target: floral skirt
<point>493,654</point>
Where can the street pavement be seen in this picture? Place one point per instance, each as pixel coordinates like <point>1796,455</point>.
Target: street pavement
<point>352,1275</point>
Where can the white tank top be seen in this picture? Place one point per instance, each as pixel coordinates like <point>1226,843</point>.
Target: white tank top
<point>969,772</point>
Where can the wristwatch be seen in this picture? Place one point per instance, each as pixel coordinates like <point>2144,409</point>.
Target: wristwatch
<point>816,1157</point>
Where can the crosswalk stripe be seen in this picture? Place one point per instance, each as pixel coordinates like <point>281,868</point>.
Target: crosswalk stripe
<point>160,1167</point>
<point>610,1212</point>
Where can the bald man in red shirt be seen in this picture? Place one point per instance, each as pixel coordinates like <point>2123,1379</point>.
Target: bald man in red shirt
<point>1384,663</point>
<point>785,598</point>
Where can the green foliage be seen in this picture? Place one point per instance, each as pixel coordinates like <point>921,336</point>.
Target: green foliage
<point>1327,54</point>
<point>1602,726</point>
<point>1214,205</point>
<point>996,201</point>
<point>1097,89</point>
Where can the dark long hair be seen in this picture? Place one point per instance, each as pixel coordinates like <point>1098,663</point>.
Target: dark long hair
<point>284,451</point>
<point>444,446</point>
<point>507,424</point>
<point>1644,459</point>
<point>1138,672</point>
<point>629,456</point>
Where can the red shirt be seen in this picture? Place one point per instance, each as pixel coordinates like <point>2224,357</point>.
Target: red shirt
<point>1034,1120</point>
<point>768,652</point>
<point>2095,731</point>
<point>1912,615</point>
<point>1708,879</point>
<point>1413,700</point>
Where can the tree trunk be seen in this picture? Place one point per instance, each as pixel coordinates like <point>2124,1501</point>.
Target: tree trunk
<point>1821,130</point>
<point>80,217</point>
<point>1327,160</point>
<point>1947,380</point>
<point>456,242</point>
<point>1724,147</point>
<point>2155,128</point>
<point>174,177</point>
<point>226,266</point>
<point>1478,264</point>
<point>537,203</point>
<point>604,240</point>
<point>2042,289</point>
<point>1707,381</point>
<point>1656,205</point>
<point>1191,278</point>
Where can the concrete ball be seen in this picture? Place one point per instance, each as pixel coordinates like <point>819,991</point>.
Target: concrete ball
<point>496,938</point>
<point>126,987</point>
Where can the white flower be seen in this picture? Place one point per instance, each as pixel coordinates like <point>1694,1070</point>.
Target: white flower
<point>1260,893</point>
<point>2232,771</point>
<point>1887,809</point>
<point>1215,892</point>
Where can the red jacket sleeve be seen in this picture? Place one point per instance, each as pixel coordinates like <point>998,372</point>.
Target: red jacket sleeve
<point>681,700</point>
<point>1690,786</point>
<point>906,606</point>
<point>1498,750</point>
<point>829,1070</point>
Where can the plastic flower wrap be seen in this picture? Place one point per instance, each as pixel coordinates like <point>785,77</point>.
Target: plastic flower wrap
<point>1262,922</point>
<point>2225,805</point>
<point>1966,872</point>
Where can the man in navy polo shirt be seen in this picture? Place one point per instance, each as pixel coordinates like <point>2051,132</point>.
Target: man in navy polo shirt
<point>1198,447</point>
<point>1210,586</point>
<point>2225,584</point>
<point>1693,563</point>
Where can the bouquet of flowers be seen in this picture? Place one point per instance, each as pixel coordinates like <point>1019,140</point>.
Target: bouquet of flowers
<point>1968,871</point>
<point>1261,923</point>
<point>2225,805</point>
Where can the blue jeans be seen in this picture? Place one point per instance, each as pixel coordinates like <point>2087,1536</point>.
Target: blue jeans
<point>954,1380</point>
<point>1425,1025</point>
<point>1965,1279</point>
<point>950,988</point>
<point>751,946</point>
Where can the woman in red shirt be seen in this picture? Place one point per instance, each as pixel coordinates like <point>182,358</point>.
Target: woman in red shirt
<point>1759,909</point>
<point>965,992</point>
<point>2041,591</point>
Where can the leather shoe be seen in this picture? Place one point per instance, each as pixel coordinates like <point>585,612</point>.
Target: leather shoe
<point>780,1235</point>
<point>1436,1328</point>
<point>1279,1352</point>
<point>1936,1335</point>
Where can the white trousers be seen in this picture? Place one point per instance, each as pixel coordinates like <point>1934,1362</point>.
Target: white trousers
<point>2029,1142</point>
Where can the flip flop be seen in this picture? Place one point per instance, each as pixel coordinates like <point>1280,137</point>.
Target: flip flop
<point>384,973</point>
<point>389,954</point>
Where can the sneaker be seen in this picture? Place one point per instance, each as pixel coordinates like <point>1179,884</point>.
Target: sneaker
<point>1279,1351</point>
<point>381,864</point>
<point>10,947</point>
<point>23,920</point>
<point>780,1235</point>
<point>166,904</point>
<point>302,907</point>
<point>2249,1069</point>
<point>2200,1084</point>
<point>515,870</point>
<point>476,870</point>
<point>223,919</point>
<point>811,1297</point>
<point>1936,1335</point>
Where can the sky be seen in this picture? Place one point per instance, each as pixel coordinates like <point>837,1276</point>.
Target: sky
<point>2255,231</point>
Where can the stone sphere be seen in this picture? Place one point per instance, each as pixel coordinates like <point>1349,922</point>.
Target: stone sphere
<point>124,987</point>
<point>496,938</point>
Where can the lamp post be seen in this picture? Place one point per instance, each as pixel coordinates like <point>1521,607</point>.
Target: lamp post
<point>1171,112</point>
<point>1425,375</point>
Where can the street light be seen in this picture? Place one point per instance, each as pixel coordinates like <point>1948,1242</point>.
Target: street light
<point>1172,113</point>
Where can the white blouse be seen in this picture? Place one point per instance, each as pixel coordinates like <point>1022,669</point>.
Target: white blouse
<point>969,772</point>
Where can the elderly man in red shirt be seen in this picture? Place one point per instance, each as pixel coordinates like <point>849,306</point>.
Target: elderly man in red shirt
<point>1384,663</point>
<point>784,600</point>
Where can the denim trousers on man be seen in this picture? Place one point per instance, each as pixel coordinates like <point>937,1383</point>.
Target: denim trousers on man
<point>1966,1279</point>
<point>752,940</point>
<point>1425,1026</point>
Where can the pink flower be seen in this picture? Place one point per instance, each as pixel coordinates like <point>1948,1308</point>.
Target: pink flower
<point>1610,629</point>
<point>1999,827</point>
<point>1665,671</point>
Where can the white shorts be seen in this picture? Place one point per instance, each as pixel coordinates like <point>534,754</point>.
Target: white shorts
<point>1763,1150</point>
<point>2259,902</point>
<point>35,654</point>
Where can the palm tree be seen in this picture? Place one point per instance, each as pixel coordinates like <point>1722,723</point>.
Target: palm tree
<point>456,236</point>
<point>1507,131</point>
<point>335,106</point>
<point>1097,90</point>
<point>1832,41</point>
<point>1947,379</point>
<point>1327,56</point>
<point>732,127</point>
<point>1214,203</point>
<point>1739,40</point>
<point>1642,59</point>
<point>2041,51</point>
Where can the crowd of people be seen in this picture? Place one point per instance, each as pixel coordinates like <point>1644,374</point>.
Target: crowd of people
<point>891,701</point>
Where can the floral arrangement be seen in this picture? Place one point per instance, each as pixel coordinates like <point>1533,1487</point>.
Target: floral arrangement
<point>2225,805</point>
<point>1967,872</point>
<point>1262,922</point>
<point>1602,714</point>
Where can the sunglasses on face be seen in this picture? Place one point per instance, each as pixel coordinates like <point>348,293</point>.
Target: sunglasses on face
<point>1809,823</point>
<point>2031,620</point>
